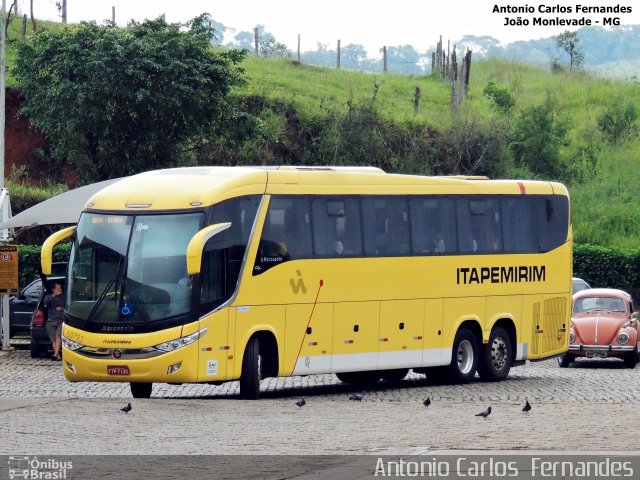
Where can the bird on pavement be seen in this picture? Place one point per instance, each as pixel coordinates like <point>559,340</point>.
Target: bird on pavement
<point>357,396</point>
<point>485,413</point>
<point>301,403</point>
<point>427,402</point>
<point>527,405</point>
<point>127,408</point>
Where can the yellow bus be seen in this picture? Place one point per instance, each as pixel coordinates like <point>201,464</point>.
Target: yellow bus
<point>215,274</point>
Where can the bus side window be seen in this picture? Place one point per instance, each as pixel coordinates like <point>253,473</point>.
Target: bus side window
<point>349,228</point>
<point>433,225</point>
<point>336,226</point>
<point>386,226</point>
<point>519,232</point>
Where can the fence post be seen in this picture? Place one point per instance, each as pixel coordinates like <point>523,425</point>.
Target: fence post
<point>299,48</point>
<point>338,56</point>
<point>416,101</point>
<point>384,59</point>
<point>255,40</point>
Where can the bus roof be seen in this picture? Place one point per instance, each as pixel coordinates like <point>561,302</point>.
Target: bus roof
<point>193,187</point>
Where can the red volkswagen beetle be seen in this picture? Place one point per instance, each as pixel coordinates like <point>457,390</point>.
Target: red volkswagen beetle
<point>604,324</point>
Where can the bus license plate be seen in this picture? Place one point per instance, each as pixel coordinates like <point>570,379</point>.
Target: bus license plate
<point>117,369</point>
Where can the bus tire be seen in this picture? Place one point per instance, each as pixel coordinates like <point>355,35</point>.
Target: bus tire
<point>464,357</point>
<point>496,357</point>
<point>251,371</point>
<point>359,378</point>
<point>141,390</point>
<point>394,375</point>
<point>566,360</point>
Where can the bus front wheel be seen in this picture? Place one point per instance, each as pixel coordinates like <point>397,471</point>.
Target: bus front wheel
<point>464,358</point>
<point>496,357</point>
<point>251,371</point>
<point>141,390</point>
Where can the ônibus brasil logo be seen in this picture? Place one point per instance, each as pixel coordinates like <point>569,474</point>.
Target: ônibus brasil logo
<point>34,468</point>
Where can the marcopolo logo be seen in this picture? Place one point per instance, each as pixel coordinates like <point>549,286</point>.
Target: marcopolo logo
<point>35,468</point>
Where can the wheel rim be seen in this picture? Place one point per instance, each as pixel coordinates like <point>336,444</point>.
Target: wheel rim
<point>465,357</point>
<point>499,353</point>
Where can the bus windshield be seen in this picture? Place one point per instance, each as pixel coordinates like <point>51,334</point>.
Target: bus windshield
<point>128,269</point>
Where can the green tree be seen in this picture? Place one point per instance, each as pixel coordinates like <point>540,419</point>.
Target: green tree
<point>618,120</point>
<point>537,138</point>
<point>568,41</point>
<point>116,101</point>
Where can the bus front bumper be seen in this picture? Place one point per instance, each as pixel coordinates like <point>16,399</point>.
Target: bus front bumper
<point>169,367</point>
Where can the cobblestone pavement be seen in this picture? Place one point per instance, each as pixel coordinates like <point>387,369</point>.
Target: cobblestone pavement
<point>593,406</point>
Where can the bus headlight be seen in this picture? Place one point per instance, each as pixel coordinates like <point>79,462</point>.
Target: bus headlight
<point>172,345</point>
<point>70,344</point>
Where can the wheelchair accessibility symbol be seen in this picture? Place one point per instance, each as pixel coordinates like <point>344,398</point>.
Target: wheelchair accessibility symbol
<point>126,310</point>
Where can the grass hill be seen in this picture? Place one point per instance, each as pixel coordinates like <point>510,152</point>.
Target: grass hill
<point>320,115</point>
<point>600,173</point>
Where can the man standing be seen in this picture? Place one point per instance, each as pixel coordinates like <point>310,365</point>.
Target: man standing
<point>54,302</point>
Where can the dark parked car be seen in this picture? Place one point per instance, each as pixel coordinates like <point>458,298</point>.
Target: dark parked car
<point>40,342</point>
<point>21,308</point>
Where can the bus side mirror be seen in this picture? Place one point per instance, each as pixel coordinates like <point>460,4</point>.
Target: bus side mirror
<point>196,246</point>
<point>46,254</point>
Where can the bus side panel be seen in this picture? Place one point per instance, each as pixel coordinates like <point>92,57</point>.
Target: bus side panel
<point>213,362</point>
<point>308,339</point>
<point>504,307</point>
<point>458,310</point>
<point>401,334</point>
<point>531,326</point>
<point>252,319</point>
<point>355,336</point>
<point>555,337</point>
<point>433,353</point>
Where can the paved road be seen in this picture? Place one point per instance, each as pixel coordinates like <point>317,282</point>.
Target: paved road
<point>589,407</point>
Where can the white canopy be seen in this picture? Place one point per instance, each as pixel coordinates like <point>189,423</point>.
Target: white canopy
<point>61,209</point>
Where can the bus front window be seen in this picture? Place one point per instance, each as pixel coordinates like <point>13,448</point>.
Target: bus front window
<point>130,269</point>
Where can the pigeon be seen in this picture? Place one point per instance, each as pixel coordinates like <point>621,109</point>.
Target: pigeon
<point>301,403</point>
<point>426,402</point>
<point>357,396</point>
<point>527,405</point>
<point>127,408</point>
<point>485,413</point>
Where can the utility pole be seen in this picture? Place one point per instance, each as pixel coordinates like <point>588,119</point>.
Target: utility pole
<point>63,11</point>
<point>5,206</point>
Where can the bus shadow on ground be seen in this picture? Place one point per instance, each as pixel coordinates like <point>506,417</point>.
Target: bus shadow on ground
<point>414,382</point>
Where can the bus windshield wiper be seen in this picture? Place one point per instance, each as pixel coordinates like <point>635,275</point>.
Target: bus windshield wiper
<point>102,296</point>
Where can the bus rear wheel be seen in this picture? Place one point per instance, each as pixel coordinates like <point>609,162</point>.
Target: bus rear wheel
<point>496,357</point>
<point>251,371</point>
<point>141,390</point>
<point>464,357</point>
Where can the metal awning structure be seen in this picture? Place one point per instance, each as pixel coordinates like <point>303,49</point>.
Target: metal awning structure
<point>59,210</point>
